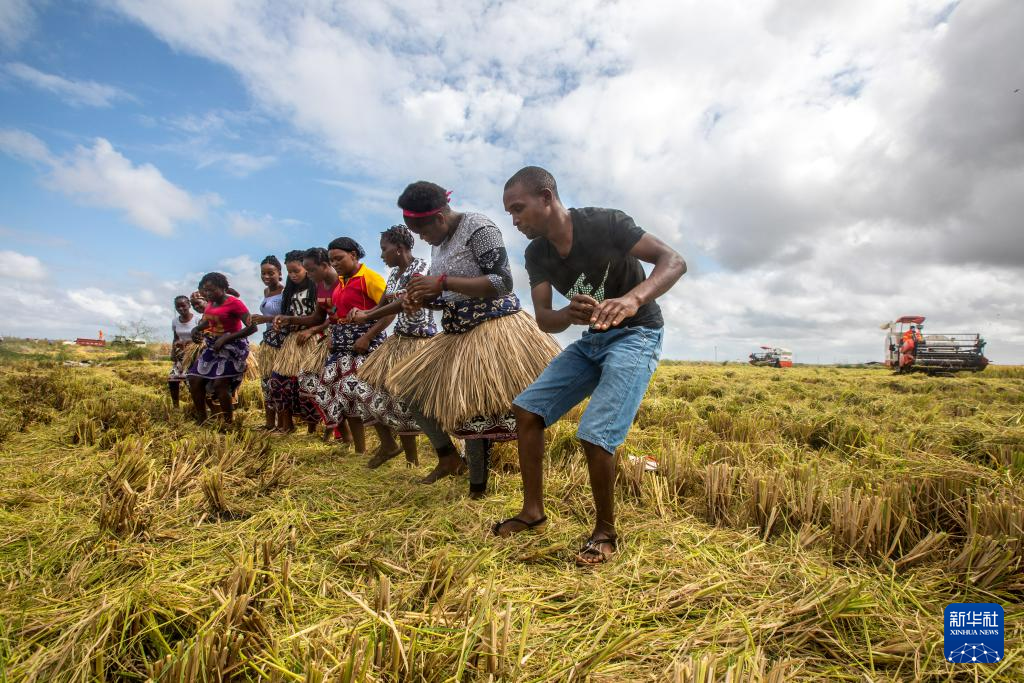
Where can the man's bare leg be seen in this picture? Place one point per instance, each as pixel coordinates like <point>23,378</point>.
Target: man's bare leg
<point>601,544</point>
<point>531,466</point>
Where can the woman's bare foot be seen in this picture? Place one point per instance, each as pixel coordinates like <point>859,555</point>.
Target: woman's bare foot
<point>447,466</point>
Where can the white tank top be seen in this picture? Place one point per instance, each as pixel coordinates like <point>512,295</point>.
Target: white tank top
<point>183,331</point>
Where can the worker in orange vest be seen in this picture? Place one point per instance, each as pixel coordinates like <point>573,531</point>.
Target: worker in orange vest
<point>913,335</point>
<point>909,344</point>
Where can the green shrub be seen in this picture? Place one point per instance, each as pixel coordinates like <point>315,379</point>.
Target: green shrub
<point>137,353</point>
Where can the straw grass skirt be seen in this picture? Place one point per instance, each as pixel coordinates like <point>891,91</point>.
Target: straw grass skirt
<point>467,381</point>
<point>252,368</point>
<point>189,353</point>
<point>292,355</point>
<point>395,350</point>
<point>265,358</point>
<point>384,407</point>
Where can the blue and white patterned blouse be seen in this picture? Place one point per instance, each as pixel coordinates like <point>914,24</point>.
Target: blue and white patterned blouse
<point>421,323</point>
<point>474,248</point>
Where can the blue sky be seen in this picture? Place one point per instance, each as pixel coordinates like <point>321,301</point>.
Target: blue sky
<point>256,190</point>
<point>808,160</point>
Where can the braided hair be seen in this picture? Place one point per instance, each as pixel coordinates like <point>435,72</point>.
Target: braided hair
<point>305,289</point>
<point>272,260</point>
<point>400,236</point>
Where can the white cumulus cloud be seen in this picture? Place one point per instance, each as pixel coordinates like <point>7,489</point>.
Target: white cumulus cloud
<point>101,176</point>
<point>20,267</point>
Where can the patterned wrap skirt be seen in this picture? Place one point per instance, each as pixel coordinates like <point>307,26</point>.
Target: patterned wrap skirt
<point>338,391</point>
<point>228,363</point>
<point>284,394</point>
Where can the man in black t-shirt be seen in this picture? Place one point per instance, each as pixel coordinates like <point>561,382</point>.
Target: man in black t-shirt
<point>592,257</point>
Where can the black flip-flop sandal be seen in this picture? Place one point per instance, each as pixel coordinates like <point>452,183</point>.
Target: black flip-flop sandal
<point>536,524</point>
<point>592,549</point>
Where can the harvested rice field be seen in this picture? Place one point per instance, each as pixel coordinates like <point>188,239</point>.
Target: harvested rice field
<point>805,524</point>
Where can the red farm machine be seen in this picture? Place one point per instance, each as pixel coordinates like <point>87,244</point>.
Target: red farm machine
<point>909,349</point>
<point>772,356</point>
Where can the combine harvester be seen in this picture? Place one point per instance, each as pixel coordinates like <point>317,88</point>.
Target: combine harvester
<point>909,349</point>
<point>772,356</point>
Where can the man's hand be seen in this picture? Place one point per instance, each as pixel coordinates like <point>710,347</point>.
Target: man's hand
<point>219,344</point>
<point>581,308</point>
<point>197,336</point>
<point>422,289</point>
<point>362,345</point>
<point>612,312</point>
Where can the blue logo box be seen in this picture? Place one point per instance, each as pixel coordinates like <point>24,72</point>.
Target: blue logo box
<point>974,633</point>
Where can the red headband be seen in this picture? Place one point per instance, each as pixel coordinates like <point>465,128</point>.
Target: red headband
<point>423,214</point>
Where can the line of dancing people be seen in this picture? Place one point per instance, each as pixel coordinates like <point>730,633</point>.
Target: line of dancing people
<point>493,372</point>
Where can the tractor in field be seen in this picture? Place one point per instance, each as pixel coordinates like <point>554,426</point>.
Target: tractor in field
<point>124,340</point>
<point>772,356</point>
<point>909,349</point>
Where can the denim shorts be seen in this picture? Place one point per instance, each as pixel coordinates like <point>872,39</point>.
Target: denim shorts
<point>613,368</point>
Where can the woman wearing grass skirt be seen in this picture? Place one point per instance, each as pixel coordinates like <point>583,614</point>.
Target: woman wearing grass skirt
<point>317,264</point>
<point>298,299</point>
<point>463,381</point>
<point>181,337</point>
<point>342,393</point>
<point>222,360</point>
<point>411,332</point>
<point>336,391</point>
<point>270,307</point>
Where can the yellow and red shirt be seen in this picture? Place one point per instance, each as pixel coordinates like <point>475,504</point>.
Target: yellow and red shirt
<point>361,292</point>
